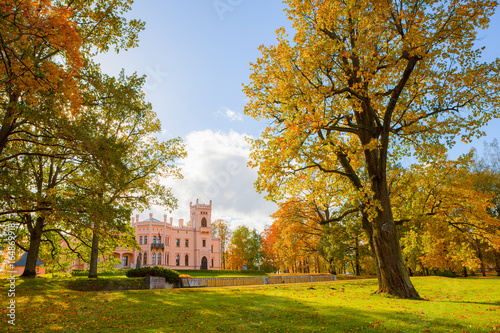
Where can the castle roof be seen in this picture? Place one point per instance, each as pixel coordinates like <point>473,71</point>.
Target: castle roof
<point>153,219</point>
<point>24,257</point>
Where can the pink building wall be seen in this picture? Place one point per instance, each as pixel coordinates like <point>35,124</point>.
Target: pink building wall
<point>188,245</point>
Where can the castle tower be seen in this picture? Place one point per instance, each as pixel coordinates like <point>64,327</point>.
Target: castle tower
<point>201,215</point>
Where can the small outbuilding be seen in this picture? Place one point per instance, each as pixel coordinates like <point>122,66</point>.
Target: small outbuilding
<point>21,264</point>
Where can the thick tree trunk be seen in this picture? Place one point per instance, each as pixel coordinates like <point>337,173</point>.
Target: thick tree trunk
<point>393,275</point>
<point>465,272</point>
<point>94,254</point>
<point>34,249</point>
<point>394,278</point>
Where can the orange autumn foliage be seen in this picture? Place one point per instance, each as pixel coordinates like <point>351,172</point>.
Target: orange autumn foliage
<point>40,52</point>
<point>293,239</point>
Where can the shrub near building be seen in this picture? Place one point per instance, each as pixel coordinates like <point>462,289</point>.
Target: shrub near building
<point>170,275</point>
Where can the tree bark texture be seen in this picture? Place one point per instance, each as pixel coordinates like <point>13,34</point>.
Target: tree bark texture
<point>94,254</point>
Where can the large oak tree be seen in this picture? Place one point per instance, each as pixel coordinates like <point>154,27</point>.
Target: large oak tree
<point>361,84</point>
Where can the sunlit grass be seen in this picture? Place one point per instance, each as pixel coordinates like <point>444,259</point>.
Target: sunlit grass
<point>449,305</point>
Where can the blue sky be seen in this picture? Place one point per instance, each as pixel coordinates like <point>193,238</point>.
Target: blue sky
<point>196,54</point>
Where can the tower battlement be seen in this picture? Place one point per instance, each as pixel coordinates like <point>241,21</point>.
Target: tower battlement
<point>200,205</point>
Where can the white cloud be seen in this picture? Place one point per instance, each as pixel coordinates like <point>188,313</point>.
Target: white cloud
<point>230,114</point>
<point>216,169</point>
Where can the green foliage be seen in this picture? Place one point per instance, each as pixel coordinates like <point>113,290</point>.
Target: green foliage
<point>442,273</point>
<point>78,148</point>
<point>170,275</point>
<point>244,248</point>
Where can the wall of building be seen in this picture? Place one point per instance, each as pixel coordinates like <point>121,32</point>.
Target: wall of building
<point>188,245</point>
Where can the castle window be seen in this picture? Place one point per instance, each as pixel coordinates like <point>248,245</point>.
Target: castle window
<point>212,262</point>
<point>159,258</point>
<point>186,260</point>
<point>212,248</point>
<point>154,239</point>
<point>145,239</point>
<point>204,222</point>
<point>168,241</point>
<point>168,259</point>
<point>178,242</point>
<point>204,243</point>
<point>153,258</point>
<point>140,240</point>
<point>186,242</point>
<point>177,260</point>
<point>145,258</point>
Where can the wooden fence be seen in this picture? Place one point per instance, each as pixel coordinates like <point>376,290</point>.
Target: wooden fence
<point>247,281</point>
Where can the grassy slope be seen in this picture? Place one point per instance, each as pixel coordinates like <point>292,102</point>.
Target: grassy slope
<point>451,305</point>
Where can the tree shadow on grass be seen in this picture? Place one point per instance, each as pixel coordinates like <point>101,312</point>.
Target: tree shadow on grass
<point>260,309</point>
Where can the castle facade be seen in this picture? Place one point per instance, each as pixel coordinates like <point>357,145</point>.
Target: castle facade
<point>183,246</point>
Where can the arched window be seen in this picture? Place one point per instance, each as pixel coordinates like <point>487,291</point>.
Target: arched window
<point>159,258</point>
<point>186,260</point>
<point>153,258</point>
<point>177,260</point>
<point>203,222</point>
<point>145,258</point>
<point>168,259</point>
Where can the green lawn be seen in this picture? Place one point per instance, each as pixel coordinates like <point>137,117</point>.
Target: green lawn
<point>450,305</point>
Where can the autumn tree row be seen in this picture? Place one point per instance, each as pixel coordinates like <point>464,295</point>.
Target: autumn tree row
<point>446,216</point>
<point>78,148</point>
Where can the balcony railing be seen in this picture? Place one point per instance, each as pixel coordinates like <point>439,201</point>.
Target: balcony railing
<point>157,246</point>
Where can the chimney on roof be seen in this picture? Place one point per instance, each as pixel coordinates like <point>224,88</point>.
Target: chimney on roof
<point>181,223</point>
<point>151,216</point>
<point>171,220</point>
<point>137,218</point>
<point>165,218</point>
<point>133,220</point>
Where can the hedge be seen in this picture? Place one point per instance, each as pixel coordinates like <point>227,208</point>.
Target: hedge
<point>100,271</point>
<point>106,284</point>
<point>447,274</point>
<point>170,275</point>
